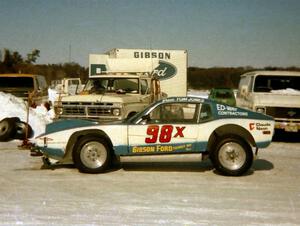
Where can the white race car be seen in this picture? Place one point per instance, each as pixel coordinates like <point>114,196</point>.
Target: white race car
<point>229,136</point>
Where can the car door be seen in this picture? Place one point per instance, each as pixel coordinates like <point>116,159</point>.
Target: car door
<point>169,128</point>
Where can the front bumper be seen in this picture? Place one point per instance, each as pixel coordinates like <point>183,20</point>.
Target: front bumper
<point>288,126</point>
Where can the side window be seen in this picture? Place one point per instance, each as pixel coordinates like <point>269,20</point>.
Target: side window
<point>144,86</point>
<point>205,113</point>
<point>73,82</point>
<point>41,82</point>
<point>175,113</point>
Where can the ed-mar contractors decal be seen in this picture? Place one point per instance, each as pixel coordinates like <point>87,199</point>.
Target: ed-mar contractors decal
<point>229,111</point>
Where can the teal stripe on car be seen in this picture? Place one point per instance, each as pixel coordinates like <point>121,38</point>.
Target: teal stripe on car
<point>68,124</point>
<point>263,144</point>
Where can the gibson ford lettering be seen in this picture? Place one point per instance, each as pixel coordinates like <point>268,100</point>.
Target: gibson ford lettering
<point>147,55</point>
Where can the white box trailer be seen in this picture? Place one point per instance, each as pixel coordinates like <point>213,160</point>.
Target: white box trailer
<point>169,66</point>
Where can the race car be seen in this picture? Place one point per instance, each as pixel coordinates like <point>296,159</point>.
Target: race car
<point>228,135</point>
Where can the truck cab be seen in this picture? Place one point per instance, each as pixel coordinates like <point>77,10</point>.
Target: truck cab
<point>30,87</point>
<point>275,93</point>
<point>109,97</point>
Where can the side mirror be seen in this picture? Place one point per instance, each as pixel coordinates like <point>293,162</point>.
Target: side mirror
<point>145,119</point>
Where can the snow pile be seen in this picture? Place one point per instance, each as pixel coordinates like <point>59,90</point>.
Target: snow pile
<point>286,91</point>
<point>15,107</point>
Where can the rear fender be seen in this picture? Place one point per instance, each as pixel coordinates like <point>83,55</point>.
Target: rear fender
<point>230,129</point>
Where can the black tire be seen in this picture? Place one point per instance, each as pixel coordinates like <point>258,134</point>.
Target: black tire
<point>91,155</point>
<point>232,156</point>
<point>21,131</point>
<point>131,114</point>
<point>7,129</point>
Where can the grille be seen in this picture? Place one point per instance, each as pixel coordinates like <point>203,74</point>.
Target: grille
<point>93,111</point>
<point>283,112</point>
<point>74,110</point>
<point>89,110</point>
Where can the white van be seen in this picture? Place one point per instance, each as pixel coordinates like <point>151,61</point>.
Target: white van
<point>275,93</point>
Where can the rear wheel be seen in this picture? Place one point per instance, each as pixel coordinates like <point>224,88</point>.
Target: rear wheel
<point>91,155</point>
<point>232,156</point>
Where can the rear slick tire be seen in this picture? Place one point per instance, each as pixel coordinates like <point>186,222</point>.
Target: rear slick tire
<point>232,156</point>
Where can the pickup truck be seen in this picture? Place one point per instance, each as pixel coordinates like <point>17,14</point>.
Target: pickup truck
<point>275,93</point>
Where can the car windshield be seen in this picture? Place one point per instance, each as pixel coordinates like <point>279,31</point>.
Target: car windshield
<point>224,94</point>
<point>115,85</point>
<point>16,82</point>
<point>269,83</point>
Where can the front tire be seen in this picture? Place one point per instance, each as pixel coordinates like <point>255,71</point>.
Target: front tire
<point>92,155</point>
<point>232,156</point>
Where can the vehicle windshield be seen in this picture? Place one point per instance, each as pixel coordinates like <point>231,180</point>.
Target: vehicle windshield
<point>138,115</point>
<point>224,94</point>
<point>269,83</point>
<point>115,85</point>
<point>16,82</point>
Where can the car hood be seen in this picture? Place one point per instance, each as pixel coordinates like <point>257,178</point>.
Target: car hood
<point>67,124</point>
<point>118,98</point>
<point>277,100</point>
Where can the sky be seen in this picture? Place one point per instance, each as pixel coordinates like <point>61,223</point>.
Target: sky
<point>227,33</point>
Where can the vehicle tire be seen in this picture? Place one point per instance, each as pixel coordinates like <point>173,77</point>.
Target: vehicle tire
<point>21,131</point>
<point>131,114</point>
<point>7,129</point>
<point>91,155</point>
<point>232,156</point>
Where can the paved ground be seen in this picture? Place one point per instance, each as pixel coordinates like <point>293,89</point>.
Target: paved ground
<point>151,194</point>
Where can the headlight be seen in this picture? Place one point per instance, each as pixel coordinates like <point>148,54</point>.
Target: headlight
<point>116,111</point>
<point>58,110</point>
<point>261,110</point>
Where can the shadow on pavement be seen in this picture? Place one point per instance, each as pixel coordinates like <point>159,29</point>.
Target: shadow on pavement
<point>168,166</point>
<point>289,137</point>
<point>262,165</point>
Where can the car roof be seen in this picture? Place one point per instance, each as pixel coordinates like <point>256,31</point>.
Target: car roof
<point>273,73</point>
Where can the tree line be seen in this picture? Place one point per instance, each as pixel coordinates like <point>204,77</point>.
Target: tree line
<point>198,78</point>
<point>223,77</point>
<point>13,62</point>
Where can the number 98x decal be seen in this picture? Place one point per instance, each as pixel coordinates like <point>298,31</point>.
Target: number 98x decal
<point>163,134</point>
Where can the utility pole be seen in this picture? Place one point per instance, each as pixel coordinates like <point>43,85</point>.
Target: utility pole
<point>70,53</point>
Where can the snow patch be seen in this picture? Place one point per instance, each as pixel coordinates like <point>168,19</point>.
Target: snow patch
<point>286,91</point>
<point>16,107</point>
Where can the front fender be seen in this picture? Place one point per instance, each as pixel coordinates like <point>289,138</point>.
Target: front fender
<point>78,134</point>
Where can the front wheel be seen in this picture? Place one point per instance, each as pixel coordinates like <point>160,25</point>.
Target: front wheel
<point>232,156</point>
<point>91,155</point>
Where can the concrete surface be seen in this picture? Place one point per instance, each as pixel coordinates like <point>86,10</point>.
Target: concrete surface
<point>151,194</point>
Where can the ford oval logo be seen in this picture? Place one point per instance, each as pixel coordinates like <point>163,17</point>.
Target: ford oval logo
<point>164,71</point>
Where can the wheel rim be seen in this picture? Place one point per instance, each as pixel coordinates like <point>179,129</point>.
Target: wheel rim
<point>232,156</point>
<point>3,127</point>
<point>93,154</point>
